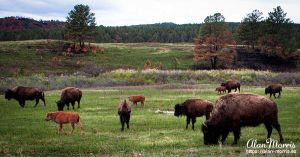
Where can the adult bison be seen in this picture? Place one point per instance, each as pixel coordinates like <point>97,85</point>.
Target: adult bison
<point>69,95</point>
<point>124,110</point>
<point>231,84</point>
<point>22,94</point>
<point>273,89</point>
<point>193,108</point>
<point>137,98</point>
<point>234,111</point>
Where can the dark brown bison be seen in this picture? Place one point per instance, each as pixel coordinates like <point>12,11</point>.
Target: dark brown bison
<point>22,94</point>
<point>193,108</point>
<point>221,89</point>
<point>137,98</point>
<point>231,84</point>
<point>124,110</point>
<point>234,111</point>
<point>69,95</point>
<point>273,89</point>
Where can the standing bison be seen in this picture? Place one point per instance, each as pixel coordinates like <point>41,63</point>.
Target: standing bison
<point>193,108</point>
<point>221,89</point>
<point>234,111</point>
<point>231,84</point>
<point>137,98</point>
<point>124,110</point>
<point>273,89</point>
<point>69,95</point>
<point>22,94</point>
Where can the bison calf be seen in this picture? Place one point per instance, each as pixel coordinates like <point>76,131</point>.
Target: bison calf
<point>21,94</point>
<point>124,110</point>
<point>234,111</point>
<point>61,118</point>
<point>221,89</point>
<point>69,95</point>
<point>231,84</point>
<point>137,98</point>
<point>273,89</point>
<point>193,108</point>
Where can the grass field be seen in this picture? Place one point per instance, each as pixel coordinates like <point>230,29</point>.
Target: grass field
<point>24,132</point>
<point>21,57</point>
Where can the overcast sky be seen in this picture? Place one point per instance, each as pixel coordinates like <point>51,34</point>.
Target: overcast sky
<point>132,12</point>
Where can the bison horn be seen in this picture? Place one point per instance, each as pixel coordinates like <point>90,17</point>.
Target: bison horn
<point>204,125</point>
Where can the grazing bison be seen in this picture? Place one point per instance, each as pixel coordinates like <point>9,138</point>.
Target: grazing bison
<point>61,118</point>
<point>69,95</point>
<point>193,108</point>
<point>231,84</point>
<point>22,94</point>
<point>221,89</point>
<point>273,89</point>
<point>124,110</point>
<point>137,98</point>
<point>234,111</point>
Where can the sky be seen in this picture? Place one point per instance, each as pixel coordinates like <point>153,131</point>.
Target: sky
<point>134,12</point>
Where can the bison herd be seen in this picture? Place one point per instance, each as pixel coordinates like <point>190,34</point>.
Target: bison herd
<point>230,112</point>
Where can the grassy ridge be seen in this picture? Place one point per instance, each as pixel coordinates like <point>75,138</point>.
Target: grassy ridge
<point>24,131</point>
<point>20,58</point>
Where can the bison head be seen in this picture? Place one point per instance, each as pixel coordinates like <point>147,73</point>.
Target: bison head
<point>210,134</point>
<point>223,84</point>
<point>8,94</point>
<point>60,105</point>
<point>179,110</point>
<point>49,116</point>
<point>267,90</point>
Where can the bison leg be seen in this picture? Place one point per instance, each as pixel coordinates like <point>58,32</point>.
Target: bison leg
<point>188,119</point>
<point>36,101</point>
<point>127,121</point>
<point>60,128</point>
<point>21,103</point>
<point>236,134</point>
<point>142,103</point>
<point>193,122</point>
<point>78,103</point>
<point>277,127</point>
<point>279,94</point>
<point>229,90</point>
<point>73,104</point>
<point>224,136</point>
<point>269,129</point>
<point>43,99</point>
<point>68,105</point>
<point>274,94</point>
<point>122,122</point>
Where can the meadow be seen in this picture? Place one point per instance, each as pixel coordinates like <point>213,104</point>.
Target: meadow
<point>24,132</point>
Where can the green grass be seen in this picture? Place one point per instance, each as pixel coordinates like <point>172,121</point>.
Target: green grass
<point>25,132</point>
<point>20,57</point>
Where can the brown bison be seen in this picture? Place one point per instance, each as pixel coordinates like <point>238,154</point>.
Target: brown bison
<point>231,84</point>
<point>234,111</point>
<point>124,110</point>
<point>22,94</point>
<point>273,89</point>
<point>61,118</point>
<point>193,108</point>
<point>69,95</point>
<point>221,89</point>
<point>137,98</point>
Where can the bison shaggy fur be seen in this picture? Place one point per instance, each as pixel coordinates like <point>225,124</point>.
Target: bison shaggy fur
<point>21,94</point>
<point>234,111</point>
<point>137,98</point>
<point>193,108</point>
<point>69,95</point>
<point>273,89</point>
<point>231,84</point>
<point>124,110</point>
